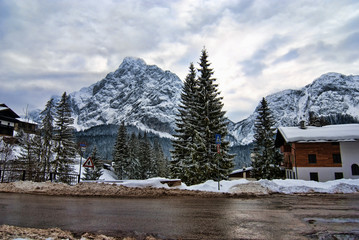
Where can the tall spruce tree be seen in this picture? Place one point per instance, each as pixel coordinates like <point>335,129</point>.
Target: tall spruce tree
<point>161,163</point>
<point>133,168</point>
<point>146,164</point>
<point>182,157</point>
<point>47,133</point>
<point>121,157</point>
<point>266,158</point>
<point>197,127</point>
<point>63,135</point>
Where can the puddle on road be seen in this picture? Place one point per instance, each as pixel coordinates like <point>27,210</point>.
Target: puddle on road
<point>332,220</point>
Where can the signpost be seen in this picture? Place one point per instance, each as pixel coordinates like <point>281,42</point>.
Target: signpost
<point>218,142</point>
<point>82,150</point>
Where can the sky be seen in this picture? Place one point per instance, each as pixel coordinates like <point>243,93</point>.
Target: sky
<point>256,47</point>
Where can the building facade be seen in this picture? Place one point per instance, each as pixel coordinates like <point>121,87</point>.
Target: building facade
<point>8,119</point>
<point>320,153</point>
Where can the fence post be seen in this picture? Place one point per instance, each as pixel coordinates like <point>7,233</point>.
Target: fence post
<point>23,175</point>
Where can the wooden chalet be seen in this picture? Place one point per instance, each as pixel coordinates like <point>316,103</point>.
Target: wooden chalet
<point>320,153</point>
<point>10,121</point>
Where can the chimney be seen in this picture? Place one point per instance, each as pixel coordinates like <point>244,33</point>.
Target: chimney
<point>302,125</point>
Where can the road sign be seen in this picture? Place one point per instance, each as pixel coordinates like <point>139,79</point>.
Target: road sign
<point>218,138</point>
<point>89,163</point>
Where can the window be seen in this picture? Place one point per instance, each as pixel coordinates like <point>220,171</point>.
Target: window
<point>338,175</point>
<point>355,169</point>
<point>312,158</point>
<point>314,176</point>
<point>337,158</point>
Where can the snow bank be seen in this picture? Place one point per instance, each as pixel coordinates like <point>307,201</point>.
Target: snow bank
<point>288,186</point>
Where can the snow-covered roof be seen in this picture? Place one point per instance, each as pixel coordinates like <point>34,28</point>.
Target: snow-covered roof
<point>242,170</point>
<point>330,133</point>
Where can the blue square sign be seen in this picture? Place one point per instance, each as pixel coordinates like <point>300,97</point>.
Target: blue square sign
<point>218,138</point>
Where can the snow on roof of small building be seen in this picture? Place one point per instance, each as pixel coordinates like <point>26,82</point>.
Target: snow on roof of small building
<point>245,169</point>
<point>330,133</point>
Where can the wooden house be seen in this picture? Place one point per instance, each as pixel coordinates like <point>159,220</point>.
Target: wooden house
<point>320,153</point>
<point>8,119</point>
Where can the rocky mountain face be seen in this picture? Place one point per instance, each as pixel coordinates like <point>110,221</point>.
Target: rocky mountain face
<point>141,95</point>
<point>331,96</point>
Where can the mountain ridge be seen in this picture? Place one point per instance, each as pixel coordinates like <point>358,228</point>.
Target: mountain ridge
<point>146,97</point>
<point>330,94</point>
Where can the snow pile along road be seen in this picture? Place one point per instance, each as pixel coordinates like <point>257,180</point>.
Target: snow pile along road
<point>290,186</point>
<point>158,187</point>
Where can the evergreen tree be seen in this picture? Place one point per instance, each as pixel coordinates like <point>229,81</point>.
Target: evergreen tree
<point>146,166</point>
<point>266,158</point>
<point>6,154</point>
<point>161,163</point>
<point>121,157</point>
<point>65,147</point>
<point>184,137</point>
<point>133,168</point>
<point>96,172</point>
<point>200,118</point>
<point>210,120</point>
<point>27,156</point>
<point>47,133</point>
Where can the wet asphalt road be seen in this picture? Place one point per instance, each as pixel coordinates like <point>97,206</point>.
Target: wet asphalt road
<point>272,217</point>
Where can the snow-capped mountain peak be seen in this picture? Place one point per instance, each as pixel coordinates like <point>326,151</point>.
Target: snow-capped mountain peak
<point>139,94</point>
<point>330,95</point>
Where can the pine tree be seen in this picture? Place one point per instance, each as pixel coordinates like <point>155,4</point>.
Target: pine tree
<point>65,147</point>
<point>184,137</point>
<point>146,166</point>
<point>27,155</point>
<point>96,172</point>
<point>266,158</point>
<point>133,168</point>
<point>6,154</point>
<point>121,157</point>
<point>47,133</point>
<point>200,118</point>
<point>211,120</point>
<point>161,163</point>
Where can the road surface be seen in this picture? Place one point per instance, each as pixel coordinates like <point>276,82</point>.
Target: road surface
<point>272,217</point>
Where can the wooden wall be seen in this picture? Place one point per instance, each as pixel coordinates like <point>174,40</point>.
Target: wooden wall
<point>323,151</point>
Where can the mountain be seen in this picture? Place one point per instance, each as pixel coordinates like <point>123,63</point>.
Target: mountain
<point>142,95</point>
<point>332,96</point>
<point>146,98</point>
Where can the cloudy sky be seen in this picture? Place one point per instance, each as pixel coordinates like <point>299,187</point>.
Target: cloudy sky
<point>256,47</point>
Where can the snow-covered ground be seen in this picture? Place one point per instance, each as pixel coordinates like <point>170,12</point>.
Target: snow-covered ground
<point>287,186</point>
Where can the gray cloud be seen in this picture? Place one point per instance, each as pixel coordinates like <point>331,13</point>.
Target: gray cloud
<point>47,47</point>
<point>291,55</point>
